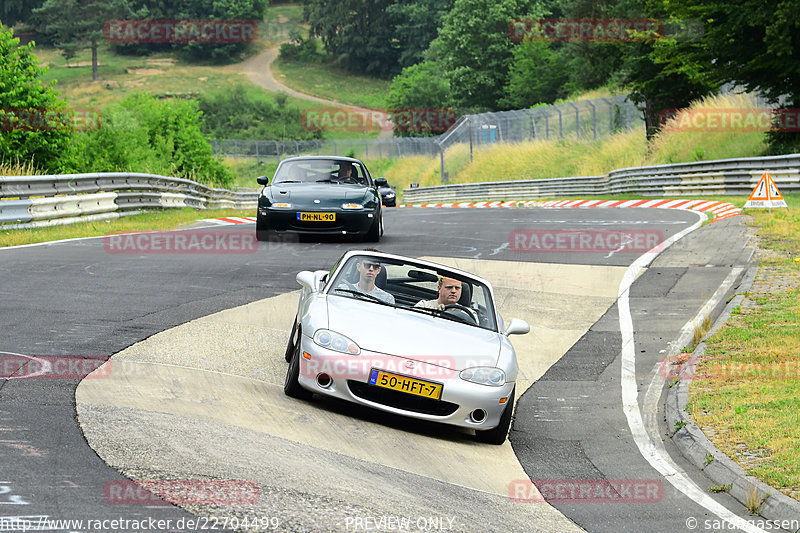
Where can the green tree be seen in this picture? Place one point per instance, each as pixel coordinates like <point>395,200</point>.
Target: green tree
<point>475,49</point>
<point>657,86</point>
<point>538,74</point>
<point>34,123</point>
<point>78,24</point>
<point>753,43</point>
<point>359,34</point>
<point>416,25</point>
<point>15,11</point>
<point>419,87</point>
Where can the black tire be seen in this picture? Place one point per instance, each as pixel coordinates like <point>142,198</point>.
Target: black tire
<point>262,233</point>
<point>290,344</point>
<point>292,387</point>
<point>375,232</point>
<point>498,435</point>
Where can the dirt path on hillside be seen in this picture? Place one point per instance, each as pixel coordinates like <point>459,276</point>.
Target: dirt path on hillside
<point>258,69</point>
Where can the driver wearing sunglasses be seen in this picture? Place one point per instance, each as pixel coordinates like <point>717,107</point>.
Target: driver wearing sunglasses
<point>368,270</point>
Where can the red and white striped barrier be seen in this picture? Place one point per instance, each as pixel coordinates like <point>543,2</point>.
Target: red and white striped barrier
<point>718,210</point>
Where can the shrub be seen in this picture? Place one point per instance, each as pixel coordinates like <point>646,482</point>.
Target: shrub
<point>144,134</point>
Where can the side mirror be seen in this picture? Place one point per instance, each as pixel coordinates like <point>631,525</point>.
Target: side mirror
<point>517,327</point>
<point>262,180</point>
<point>313,281</point>
<point>306,279</point>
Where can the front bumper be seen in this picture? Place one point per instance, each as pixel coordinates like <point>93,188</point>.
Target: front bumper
<point>349,380</point>
<point>347,221</point>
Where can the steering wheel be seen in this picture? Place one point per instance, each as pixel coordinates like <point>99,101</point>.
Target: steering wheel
<point>463,312</point>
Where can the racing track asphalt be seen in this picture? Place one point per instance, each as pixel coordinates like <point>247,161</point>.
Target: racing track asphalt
<point>76,299</point>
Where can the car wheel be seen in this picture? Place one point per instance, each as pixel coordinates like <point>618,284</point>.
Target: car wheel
<point>290,344</point>
<point>262,233</point>
<point>498,435</point>
<point>375,232</point>
<point>292,387</point>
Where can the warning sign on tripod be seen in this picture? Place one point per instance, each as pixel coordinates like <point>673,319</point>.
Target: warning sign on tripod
<point>766,194</point>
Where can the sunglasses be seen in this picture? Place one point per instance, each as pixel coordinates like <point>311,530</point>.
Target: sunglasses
<point>368,265</point>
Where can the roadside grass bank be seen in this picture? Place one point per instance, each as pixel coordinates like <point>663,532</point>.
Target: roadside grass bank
<point>153,221</point>
<point>326,81</point>
<point>745,394</point>
<point>556,158</point>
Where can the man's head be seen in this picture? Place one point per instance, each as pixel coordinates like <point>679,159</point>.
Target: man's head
<point>368,269</point>
<point>449,291</point>
<point>345,170</point>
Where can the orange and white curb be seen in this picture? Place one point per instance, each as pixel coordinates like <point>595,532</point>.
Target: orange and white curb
<point>718,210</point>
<point>226,221</point>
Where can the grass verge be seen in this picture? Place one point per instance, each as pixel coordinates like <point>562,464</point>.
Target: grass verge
<point>155,221</point>
<point>746,393</point>
<point>326,81</point>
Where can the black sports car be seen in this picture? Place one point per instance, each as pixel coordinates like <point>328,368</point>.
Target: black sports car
<point>323,195</point>
<point>388,196</point>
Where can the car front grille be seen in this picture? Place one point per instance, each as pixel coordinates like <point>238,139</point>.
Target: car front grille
<point>401,400</point>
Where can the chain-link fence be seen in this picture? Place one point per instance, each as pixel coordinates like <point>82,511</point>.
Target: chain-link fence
<point>584,119</point>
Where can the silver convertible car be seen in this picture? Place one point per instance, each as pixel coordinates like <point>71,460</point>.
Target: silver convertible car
<point>448,362</point>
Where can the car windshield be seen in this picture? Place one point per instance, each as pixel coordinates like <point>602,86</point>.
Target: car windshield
<point>335,171</point>
<point>415,287</point>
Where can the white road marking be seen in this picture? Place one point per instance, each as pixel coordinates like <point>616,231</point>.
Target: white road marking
<point>652,449</point>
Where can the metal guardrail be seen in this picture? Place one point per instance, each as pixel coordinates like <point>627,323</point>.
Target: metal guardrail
<point>721,177</point>
<point>31,201</point>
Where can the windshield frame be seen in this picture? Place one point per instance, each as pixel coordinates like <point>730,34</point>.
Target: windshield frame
<point>482,295</point>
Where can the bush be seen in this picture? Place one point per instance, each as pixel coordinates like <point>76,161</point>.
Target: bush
<point>301,50</point>
<point>35,127</point>
<point>144,134</point>
<point>238,114</point>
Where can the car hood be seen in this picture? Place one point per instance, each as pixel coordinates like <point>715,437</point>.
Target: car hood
<point>395,331</point>
<point>304,192</point>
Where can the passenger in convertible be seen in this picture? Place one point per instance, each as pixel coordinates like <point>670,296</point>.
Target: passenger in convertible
<point>368,270</point>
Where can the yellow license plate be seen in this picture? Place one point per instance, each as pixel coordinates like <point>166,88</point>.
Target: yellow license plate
<point>418,387</point>
<point>316,217</point>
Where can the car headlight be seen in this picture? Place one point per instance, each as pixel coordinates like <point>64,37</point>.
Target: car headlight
<point>352,206</point>
<point>336,342</point>
<point>484,375</point>
<point>284,205</point>
<point>389,195</point>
